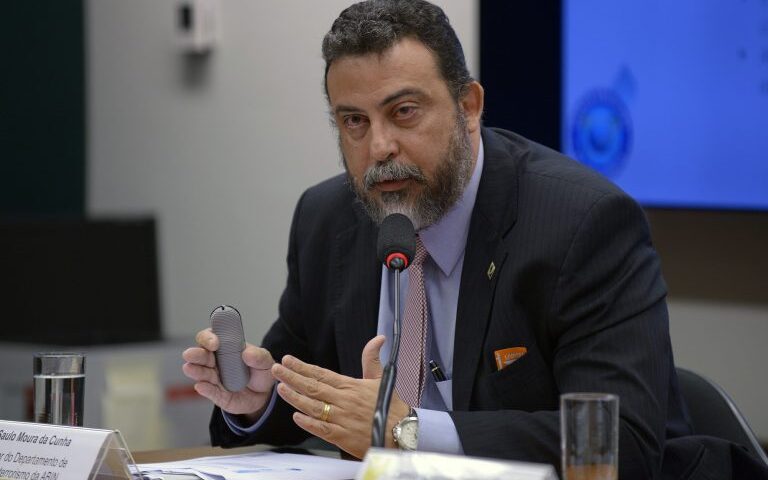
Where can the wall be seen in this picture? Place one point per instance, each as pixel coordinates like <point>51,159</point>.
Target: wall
<point>715,264</point>
<point>726,342</point>
<point>220,148</point>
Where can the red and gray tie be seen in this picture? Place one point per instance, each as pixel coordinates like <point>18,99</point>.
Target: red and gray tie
<point>411,367</point>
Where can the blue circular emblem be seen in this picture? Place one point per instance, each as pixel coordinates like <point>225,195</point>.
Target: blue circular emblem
<point>601,131</point>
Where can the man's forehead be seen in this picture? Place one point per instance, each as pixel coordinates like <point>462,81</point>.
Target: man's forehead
<point>407,64</point>
<point>402,46</point>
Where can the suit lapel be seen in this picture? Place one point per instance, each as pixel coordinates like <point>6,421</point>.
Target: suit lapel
<point>494,214</point>
<point>355,303</point>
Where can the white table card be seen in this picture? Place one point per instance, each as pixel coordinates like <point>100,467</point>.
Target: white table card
<point>389,464</point>
<point>35,451</point>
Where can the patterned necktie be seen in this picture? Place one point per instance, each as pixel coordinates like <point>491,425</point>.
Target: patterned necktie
<point>411,366</point>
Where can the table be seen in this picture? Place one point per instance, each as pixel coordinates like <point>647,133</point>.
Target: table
<point>175,454</point>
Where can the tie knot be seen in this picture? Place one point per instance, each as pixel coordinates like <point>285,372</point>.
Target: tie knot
<point>421,252</point>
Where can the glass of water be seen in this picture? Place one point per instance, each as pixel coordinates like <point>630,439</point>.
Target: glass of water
<point>589,436</point>
<point>59,387</point>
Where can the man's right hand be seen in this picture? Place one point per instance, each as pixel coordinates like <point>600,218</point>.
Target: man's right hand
<point>200,366</point>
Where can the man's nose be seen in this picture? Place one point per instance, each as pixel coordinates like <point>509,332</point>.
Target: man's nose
<point>384,143</point>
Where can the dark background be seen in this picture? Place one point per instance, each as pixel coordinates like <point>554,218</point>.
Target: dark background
<point>42,108</point>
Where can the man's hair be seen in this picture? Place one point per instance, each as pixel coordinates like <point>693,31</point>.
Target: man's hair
<point>374,26</point>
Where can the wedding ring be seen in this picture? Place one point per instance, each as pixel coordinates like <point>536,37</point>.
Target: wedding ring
<point>326,412</point>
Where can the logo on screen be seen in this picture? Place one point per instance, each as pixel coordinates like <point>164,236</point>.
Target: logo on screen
<point>601,131</point>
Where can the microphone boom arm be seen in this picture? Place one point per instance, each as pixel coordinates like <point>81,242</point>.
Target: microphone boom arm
<point>387,385</point>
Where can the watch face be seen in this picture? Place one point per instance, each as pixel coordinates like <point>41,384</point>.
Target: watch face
<point>408,439</point>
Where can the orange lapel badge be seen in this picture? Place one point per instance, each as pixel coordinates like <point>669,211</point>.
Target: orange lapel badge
<point>507,356</point>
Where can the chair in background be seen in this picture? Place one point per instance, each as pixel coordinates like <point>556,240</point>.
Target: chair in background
<point>713,412</point>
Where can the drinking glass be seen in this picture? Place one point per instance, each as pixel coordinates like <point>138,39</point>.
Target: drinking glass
<point>59,387</point>
<point>589,436</point>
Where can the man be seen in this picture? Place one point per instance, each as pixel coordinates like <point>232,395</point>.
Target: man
<point>539,276</point>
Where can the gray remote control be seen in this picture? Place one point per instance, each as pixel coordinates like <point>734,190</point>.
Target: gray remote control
<point>227,324</point>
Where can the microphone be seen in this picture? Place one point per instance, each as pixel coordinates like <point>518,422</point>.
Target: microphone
<point>397,242</point>
<point>395,248</point>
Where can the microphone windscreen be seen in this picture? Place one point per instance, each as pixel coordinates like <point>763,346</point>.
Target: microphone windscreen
<point>396,235</point>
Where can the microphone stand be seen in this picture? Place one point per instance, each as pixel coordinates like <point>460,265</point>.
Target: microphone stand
<point>387,385</point>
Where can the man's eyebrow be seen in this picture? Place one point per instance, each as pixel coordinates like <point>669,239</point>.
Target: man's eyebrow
<point>401,93</point>
<point>344,109</point>
<point>391,98</point>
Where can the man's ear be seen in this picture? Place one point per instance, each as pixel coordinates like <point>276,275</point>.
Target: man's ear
<point>472,103</point>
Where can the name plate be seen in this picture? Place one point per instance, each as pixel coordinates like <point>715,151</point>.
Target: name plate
<point>36,451</point>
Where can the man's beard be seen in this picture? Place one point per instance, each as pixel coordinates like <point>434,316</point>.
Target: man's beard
<point>436,196</point>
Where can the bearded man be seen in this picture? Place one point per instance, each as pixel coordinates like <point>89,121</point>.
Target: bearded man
<point>536,277</point>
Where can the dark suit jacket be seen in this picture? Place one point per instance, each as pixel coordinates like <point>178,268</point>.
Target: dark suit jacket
<point>700,457</point>
<point>577,282</point>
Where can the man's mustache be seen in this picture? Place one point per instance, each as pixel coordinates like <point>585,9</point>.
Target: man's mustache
<point>392,171</point>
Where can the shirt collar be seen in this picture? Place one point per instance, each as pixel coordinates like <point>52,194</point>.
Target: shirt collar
<point>446,239</point>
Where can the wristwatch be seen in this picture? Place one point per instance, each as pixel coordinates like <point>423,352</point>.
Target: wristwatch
<point>406,432</point>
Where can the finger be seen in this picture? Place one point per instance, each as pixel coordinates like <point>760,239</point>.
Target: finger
<point>199,373</point>
<point>320,374</point>
<point>308,387</point>
<point>313,408</point>
<point>329,432</point>
<point>261,380</point>
<point>199,356</point>
<point>207,339</point>
<point>257,357</point>
<point>371,361</point>
<point>217,395</point>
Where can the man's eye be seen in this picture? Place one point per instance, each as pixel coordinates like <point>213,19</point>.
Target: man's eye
<point>354,121</point>
<point>405,111</point>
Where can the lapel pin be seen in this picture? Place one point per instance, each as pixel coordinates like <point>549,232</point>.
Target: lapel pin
<point>491,270</point>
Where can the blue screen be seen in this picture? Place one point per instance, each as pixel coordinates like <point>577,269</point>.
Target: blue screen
<point>669,98</point>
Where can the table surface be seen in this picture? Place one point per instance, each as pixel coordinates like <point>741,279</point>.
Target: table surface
<point>172,455</point>
<point>175,454</point>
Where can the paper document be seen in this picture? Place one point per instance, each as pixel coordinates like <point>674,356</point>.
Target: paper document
<point>257,466</point>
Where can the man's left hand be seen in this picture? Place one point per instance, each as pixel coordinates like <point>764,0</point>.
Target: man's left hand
<point>352,400</point>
